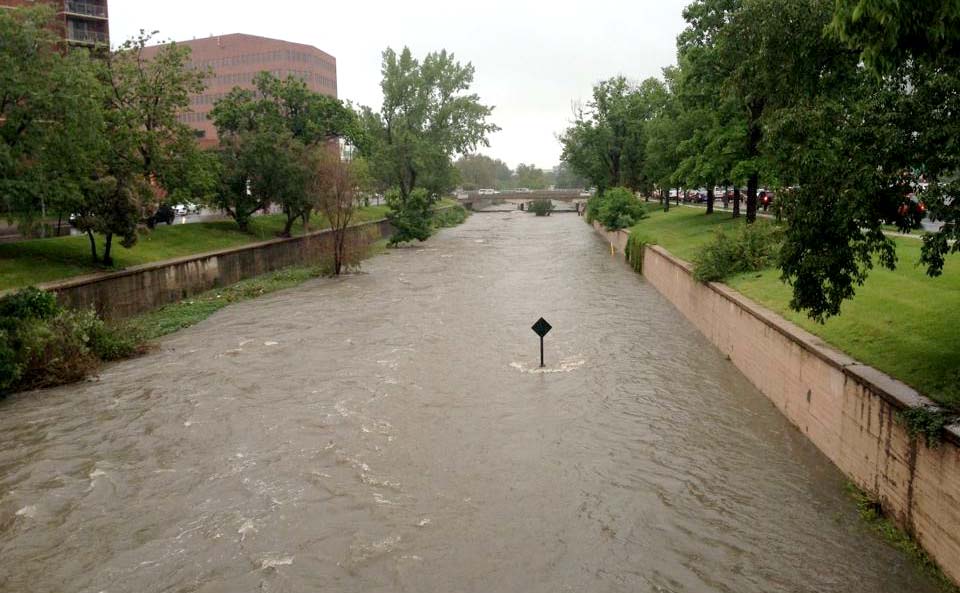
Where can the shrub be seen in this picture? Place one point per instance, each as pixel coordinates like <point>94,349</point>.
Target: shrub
<point>411,218</point>
<point>636,243</point>
<point>593,208</point>
<point>9,369</point>
<point>541,207</point>
<point>42,344</point>
<point>449,216</point>
<point>116,342</point>
<point>619,209</point>
<point>29,303</point>
<point>751,248</point>
<point>56,351</point>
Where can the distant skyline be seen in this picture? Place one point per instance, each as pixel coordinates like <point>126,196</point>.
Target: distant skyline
<point>533,60</point>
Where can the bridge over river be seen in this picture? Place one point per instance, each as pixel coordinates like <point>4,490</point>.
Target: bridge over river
<point>564,200</point>
<point>391,431</point>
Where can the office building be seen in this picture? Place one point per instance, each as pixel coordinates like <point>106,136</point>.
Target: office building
<point>234,60</point>
<point>84,23</point>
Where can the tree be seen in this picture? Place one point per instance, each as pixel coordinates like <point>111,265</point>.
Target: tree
<point>566,178</point>
<point>51,120</point>
<point>478,171</point>
<point>146,143</point>
<point>427,116</point>
<point>411,217</point>
<point>334,188</point>
<point>914,46</point>
<point>268,136</point>
<point>530,177</point>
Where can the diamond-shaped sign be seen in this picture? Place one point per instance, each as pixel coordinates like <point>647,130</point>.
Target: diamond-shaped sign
<point>541,327</point>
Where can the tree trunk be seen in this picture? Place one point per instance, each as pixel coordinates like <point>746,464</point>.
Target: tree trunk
<point>736,201</point>
<point>288,225</point>
<point>666,200</point>
<point>108,243</point>
<point>678,195</point>
<point>59,222</point>
<point>93,246</point>
<point>752,183</point>
<point>710,200</point>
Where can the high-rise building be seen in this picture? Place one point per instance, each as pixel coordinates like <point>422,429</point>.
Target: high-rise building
<point>234,60</point>
<point>83,23</point>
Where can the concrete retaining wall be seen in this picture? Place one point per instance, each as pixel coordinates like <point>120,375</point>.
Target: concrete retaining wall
<point>141,288</point>
<point>847,409</point>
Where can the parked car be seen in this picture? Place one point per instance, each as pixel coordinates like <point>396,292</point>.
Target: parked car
<point>164,213</point>
<point>487,192</point>
<point>523,190</point>
<point>180,210</point>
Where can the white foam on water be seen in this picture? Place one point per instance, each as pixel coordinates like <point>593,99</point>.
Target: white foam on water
<point>247,527</point>
<point>273,561</point>
<point>29,511</point>
<point>271,343</point>
<point>423,522</point>
<point>566,366</point>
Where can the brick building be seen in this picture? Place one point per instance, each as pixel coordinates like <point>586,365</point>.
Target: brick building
<point>83,23</point>
<point>235,59</point>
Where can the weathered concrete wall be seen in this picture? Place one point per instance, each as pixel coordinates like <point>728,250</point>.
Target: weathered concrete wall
<point>141,288</point>
<point>847,409</point>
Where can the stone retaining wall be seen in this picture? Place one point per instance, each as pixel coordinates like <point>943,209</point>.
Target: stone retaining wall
<point>116,295</point>
<point>847,409</point>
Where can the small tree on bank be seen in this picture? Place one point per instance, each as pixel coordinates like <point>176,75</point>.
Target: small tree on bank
<point>334,189</point>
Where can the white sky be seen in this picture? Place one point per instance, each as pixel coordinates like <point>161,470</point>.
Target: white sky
<point>532,59</point>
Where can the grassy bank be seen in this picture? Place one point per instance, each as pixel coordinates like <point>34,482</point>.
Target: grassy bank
<point>901,322</point>
<point>44,260</point>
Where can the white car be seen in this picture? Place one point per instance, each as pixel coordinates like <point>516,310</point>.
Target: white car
<point>180,210</point>
<point>487,192</point>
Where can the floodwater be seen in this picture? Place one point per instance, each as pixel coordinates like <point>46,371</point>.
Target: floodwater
<point>390,431</point>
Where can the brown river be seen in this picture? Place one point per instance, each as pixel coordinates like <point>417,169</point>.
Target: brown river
<point>391,431</point>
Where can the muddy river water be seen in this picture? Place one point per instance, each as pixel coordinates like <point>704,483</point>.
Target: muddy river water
<point>390,431</point>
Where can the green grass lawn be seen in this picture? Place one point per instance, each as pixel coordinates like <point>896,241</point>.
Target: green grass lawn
<point>902,322</point>
<point>43,260</point>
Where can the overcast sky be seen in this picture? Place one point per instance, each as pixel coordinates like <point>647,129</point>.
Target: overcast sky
<point>532,59</point>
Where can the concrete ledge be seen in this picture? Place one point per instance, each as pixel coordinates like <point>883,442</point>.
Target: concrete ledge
<point>116,295</point>
<point>846,408</point>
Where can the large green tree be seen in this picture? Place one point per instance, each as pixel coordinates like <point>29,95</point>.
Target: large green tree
<point>428,116</point>
<point>268,136</point>
<point>148,150</point>
<point>51,120</point>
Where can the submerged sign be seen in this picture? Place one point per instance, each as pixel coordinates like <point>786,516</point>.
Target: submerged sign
<point>541,328</point>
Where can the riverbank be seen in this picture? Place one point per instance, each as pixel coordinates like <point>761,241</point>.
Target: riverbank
<point>850,411</point>
<point>900,321</point>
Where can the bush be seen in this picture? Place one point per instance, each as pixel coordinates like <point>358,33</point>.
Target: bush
<point>618,209</point>
<point>29,303</point>
<point>116,342</point>
<point>411,219</point>
<point>56,351</point>
<point>592,210</point>
<point>9,369</point>
<point>542,207</point>
<point>42,344</point>
<point>751,248</point>
<point>636,243</point>
<point>449,216</point>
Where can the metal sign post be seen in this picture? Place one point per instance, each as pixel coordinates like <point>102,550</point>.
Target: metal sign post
<point>541,328</point>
